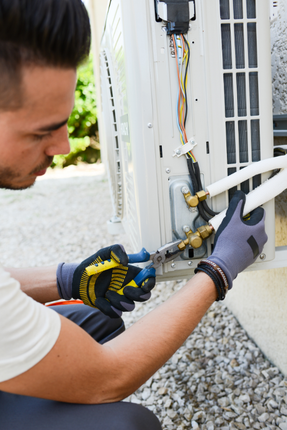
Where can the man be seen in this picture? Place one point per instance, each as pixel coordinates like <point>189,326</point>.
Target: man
<point>69,367</point>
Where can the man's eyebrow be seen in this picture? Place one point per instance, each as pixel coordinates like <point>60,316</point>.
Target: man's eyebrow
<point>52,127</point>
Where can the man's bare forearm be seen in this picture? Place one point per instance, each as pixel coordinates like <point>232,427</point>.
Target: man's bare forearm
<point>37,282</point>
<point>153,339</point>
<point>110,372</point>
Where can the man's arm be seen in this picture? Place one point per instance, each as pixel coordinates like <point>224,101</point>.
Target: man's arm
<point>37,282</point>
<point>78,369</point>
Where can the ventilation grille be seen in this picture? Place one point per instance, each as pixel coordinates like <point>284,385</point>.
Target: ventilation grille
<point>114,157</point>
<point>240,80</point>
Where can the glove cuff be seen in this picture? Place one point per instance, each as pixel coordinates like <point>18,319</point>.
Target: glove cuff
<point>65,272</point>
<point>224,268</point>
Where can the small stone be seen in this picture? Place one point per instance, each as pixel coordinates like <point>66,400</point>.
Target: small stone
<point>264,417</point>
<point>240,426</point>
<point>245,398</point>
<point>150,401</point>
<point>209,425</point>
<point>246,422</point>
<point>162,391</point>
<point>167,421</point>
<point>260,409</point>
<point>273,404</point>
<point>134,399</point>
<point>234,363</point>
<point>198,416</point>
<point>171,413</point>
<point>223,401</point>
<point>230,414</point>
<point>194,425</point>
<point>279,392</point>
<point>283,426</point>
<point>145,394</point>
<point>187,416</point>
<point>283,410</point>
<point>168,403</point>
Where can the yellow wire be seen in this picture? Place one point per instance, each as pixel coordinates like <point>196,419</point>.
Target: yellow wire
<point>183,85</point>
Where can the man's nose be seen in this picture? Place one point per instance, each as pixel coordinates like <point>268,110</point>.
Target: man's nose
<point>60,143</point>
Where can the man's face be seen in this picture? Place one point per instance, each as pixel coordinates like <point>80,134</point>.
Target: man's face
<point>33,134</point>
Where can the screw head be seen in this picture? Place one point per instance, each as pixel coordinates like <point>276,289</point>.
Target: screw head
<point>190,263</point>
<point>192,209</point>
<point>184,190</point>
<point>178,152</point>
<point>172,265</point>
<point>167,170</point>
<point>186,228</point>
<point>149,125</point>
<point>262,256</point>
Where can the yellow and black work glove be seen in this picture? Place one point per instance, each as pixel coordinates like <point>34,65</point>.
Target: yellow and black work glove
<point>112,291</point>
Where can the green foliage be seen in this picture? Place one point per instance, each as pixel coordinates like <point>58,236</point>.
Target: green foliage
<point>82,124</point>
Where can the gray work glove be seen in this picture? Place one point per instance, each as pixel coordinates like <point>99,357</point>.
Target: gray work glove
<point>238,241</point>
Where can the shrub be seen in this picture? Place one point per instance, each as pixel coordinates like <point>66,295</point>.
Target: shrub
<point>82,124</point>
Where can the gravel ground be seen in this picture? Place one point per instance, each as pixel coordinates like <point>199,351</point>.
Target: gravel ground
<point>217,379</point>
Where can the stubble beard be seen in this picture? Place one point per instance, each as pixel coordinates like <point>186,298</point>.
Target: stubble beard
<point>8,176</point>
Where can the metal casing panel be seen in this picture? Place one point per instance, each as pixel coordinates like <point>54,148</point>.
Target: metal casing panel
<point>145,97</point>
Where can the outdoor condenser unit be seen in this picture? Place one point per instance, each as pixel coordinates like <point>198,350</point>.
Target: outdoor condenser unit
<point>228,114</point>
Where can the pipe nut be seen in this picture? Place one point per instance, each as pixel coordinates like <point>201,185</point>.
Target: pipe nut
<point>195,241</point>
<point>201,195</point>
<point>205,231</point>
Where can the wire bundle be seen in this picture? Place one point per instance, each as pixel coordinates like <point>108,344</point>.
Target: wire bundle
<point>182,55</point>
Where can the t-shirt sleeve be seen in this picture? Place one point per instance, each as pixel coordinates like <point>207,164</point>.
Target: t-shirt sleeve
<point>28,330</point>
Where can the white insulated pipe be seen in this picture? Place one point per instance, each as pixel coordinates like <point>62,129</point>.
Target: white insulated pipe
<point>246,173</point>
<point>260,195</point>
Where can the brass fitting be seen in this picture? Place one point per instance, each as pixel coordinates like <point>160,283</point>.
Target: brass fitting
<point>195,239</point>
<point>183,244</point>
<point>205,231</point>
<point>201,195</point>
<point>191,200</point>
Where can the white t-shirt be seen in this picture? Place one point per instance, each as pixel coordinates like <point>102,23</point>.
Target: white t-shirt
<point>28,330</point>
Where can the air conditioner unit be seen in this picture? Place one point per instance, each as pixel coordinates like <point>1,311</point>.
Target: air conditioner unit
<point>228,123</point>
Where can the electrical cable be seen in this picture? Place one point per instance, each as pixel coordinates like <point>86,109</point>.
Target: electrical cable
<point>182,56</point>
<point>204,204</point>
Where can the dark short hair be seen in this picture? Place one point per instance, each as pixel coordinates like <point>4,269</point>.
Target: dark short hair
<point>39,32</point>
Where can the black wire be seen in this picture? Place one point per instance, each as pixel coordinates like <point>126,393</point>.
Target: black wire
<point>279,151</point>
<point>192,175</point>
<point>204,204</point>
<point>195,187</point>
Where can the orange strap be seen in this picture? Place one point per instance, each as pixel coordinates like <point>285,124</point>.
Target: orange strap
<point>66,302</point>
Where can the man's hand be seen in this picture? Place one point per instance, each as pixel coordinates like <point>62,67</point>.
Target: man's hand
<point>111,291</point>
<point>238,241</point>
